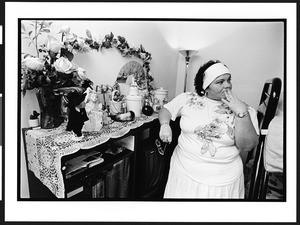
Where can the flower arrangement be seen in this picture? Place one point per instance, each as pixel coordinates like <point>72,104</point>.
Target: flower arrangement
<point>52,65</point>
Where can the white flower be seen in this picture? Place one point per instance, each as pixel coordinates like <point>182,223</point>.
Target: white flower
<point>134,48</point>
<point>143,55</point>
<point>34,63</point>
<point>53,44</point>
<point>80,42</point>
<point>64,29</point>
<point>81,72</point>
<point>70,37</point>
<point>63,65</point>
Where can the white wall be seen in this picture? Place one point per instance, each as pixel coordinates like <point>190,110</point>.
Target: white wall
<point>252,51</point>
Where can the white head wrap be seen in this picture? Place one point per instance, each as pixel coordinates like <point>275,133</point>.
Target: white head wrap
<point>212,72</point>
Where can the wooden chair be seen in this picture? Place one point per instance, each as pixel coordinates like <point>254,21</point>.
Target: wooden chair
<point>266,112</point>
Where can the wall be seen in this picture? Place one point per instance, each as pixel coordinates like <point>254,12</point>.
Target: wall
<point>252,51</point>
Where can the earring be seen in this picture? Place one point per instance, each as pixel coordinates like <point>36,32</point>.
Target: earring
<point>202,92</point>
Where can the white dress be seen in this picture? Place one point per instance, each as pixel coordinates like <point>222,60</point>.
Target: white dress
<point>206,163</point>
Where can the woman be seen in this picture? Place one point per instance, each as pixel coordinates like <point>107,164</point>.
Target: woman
<point>215,127</point>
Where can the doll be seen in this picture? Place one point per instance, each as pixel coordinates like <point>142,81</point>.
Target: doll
<point>77,114</point>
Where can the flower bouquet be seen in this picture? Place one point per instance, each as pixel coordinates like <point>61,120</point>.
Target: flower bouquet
<point>51,68</point>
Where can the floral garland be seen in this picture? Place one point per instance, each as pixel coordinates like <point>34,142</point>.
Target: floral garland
<point>121,44</point>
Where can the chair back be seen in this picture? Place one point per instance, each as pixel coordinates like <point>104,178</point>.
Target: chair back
<point>265,113</point>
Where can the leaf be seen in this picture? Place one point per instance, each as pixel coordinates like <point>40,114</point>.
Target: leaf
<point>66,53</point>
<point>26,55</point>
<point>46,30</point>
<point>88,33</point>
<point>23,27</point>
<point>30,32</point>
<point>24,91</point>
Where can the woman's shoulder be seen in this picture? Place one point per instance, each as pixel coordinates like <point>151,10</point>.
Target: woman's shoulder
<point>186,96</point>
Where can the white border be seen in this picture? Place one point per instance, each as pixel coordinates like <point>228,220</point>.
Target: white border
<point>145,211</point>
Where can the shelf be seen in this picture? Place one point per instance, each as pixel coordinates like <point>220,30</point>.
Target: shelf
<point>109,161</point>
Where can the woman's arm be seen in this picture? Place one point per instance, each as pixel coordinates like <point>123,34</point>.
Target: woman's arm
<point>246,137</point>
<point>164,117</point>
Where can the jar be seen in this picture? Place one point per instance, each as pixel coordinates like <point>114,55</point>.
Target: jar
<point>134,103</point>
<point>161,95</point>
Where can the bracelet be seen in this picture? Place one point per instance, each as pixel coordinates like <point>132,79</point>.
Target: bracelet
<point>164,123</point>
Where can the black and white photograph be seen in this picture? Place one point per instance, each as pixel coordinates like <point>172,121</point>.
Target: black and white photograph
<point>114,115</point>
<point>71,101</point>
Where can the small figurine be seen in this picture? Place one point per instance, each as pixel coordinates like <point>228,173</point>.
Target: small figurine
<point>77,114</point>
<point>92,101</point>
<point>94,112</point>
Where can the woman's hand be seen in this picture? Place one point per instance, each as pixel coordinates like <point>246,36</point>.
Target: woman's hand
<point>236,105</point>
<point>165,133</point>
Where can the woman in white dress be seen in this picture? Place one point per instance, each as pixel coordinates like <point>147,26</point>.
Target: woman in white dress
<point>215,127</point>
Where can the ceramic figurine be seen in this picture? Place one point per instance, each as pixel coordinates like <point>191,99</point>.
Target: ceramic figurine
<point>94,112</point>
<point>77,114</point>
<point>92,101</point>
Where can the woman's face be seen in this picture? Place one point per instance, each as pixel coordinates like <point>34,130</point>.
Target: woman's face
<point>216,90</point>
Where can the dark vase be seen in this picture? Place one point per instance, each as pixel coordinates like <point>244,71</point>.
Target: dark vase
<point>50,108</point>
